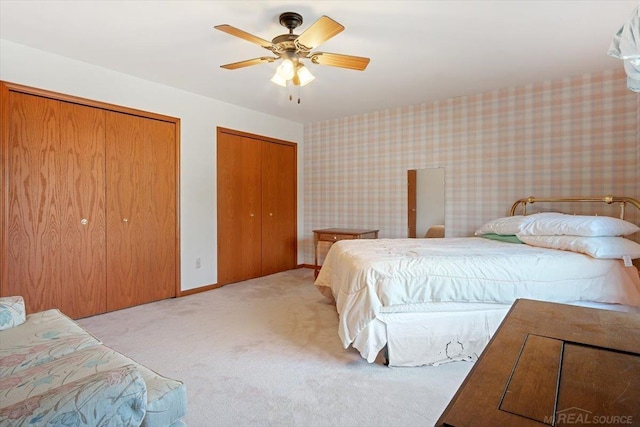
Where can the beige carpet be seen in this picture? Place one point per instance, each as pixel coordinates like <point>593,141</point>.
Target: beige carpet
<point>266,352</point>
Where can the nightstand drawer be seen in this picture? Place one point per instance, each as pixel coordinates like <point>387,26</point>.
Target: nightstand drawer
<point>335,237</point>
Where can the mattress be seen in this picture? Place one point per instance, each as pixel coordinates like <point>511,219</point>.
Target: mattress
<point>370,280</point>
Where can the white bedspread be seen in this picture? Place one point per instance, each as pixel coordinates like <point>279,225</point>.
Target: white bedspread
<point>365,277</point>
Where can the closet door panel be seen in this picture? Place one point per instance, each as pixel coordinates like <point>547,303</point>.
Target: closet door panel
<point>229,209</point>
<point>251,233</point>
<point>279,207</point>
<point>159,201</point>
<point>81,169</point>
<point>239,210</point>
<point>125,214</point>
<point>32,226</point>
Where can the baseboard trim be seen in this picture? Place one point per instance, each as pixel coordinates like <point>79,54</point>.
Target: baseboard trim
<point>198,290</point>
<point>216,286</point>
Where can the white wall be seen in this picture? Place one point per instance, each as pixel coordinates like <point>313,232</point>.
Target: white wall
<point>199,118</point>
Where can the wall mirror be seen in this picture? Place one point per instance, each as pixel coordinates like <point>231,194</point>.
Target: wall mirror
<point>426,202</point>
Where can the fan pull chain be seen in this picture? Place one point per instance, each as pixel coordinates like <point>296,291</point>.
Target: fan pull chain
<point>291,96</point>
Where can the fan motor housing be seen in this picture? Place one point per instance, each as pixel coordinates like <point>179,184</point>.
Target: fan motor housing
<point>289,20</point>
<point>285,41</point>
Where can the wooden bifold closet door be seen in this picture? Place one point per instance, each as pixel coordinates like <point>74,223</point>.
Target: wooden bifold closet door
<point>89,210</point>
<point>279,232</point>
<point>141,216</point>
<point>257,220</point>
<point>55,192</point>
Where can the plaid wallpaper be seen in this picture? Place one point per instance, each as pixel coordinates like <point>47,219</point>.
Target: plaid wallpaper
<point>578,136</point>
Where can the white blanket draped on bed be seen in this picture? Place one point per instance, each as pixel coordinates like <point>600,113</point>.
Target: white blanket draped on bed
<point>365,276</point>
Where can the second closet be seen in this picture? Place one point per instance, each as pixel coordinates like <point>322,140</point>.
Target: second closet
<point>257,185</point>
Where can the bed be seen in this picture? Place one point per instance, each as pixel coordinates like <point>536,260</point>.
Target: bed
<point>431,301</point>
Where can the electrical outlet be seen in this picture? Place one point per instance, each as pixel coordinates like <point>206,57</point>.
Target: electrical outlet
<point>198,263</point>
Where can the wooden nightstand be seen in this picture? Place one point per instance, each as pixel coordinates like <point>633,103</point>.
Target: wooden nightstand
<point>336,234</point>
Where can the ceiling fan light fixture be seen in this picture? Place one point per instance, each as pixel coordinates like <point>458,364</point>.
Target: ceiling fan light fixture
<point>286,70</point>
<point>277,79</point>
<point>304,75</point>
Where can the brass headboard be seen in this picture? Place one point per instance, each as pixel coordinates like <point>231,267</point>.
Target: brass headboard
<point>622,201</point>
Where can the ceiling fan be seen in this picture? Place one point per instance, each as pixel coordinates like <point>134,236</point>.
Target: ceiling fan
<point>292,49</point>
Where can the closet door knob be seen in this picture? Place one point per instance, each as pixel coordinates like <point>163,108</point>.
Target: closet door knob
<point>270,214</point>
<point>251,215</point>
<point>84,221</point>
<point>125,220</point>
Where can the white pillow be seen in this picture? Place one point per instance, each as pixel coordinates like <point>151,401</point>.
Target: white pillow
<point>577,225</point>
<point>606,247</point>
<point>509,225</point>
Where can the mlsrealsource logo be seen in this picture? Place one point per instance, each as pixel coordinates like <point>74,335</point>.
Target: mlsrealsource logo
<point>578,416</point>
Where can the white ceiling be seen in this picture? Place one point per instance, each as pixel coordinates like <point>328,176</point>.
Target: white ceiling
<point>420,51</point>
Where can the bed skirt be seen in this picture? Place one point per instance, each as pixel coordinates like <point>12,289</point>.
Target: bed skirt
<point>445,332</point>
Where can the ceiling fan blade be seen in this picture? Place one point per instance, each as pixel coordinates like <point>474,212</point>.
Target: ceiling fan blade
<point>319,32</point>
<point>247,63</point>
<point>337,60</point>
<point>246,36</point>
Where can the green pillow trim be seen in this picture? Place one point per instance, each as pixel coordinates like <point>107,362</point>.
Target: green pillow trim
<point>509,238</point>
